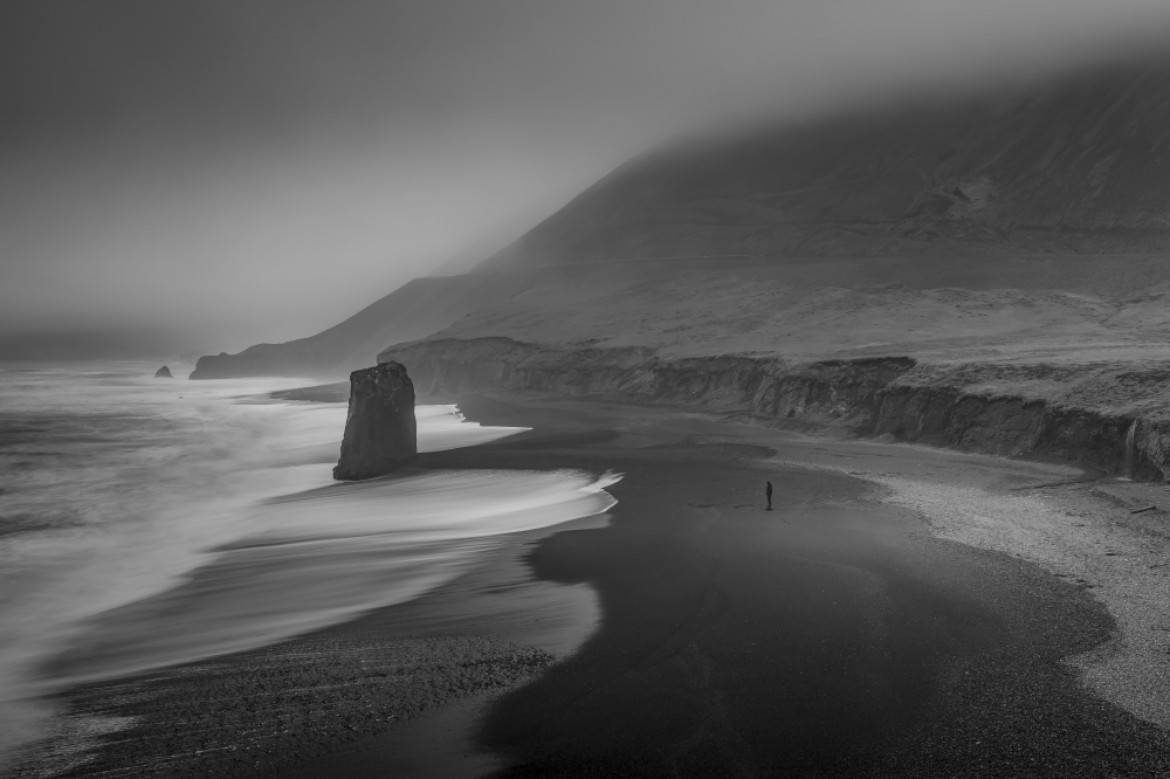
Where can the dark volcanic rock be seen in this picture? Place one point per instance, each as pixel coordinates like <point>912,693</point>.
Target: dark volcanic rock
<point>163,373</point>
<point>380,431</point>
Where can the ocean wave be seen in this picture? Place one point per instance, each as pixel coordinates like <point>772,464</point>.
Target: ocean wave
<point>153,522</point>
<point>325,557</point>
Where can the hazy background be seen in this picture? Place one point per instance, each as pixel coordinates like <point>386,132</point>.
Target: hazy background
<point>204,175</point>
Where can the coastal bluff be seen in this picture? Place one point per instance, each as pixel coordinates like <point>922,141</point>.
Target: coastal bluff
<point>380,428</point>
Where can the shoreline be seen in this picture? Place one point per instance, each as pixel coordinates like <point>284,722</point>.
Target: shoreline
<point>1121,559</point>
<point>1108,536</point>
<point>263,710</point>
<point>688,517</point>
<point>952,473</point>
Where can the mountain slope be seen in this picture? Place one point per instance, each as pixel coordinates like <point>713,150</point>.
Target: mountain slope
<point>1051,201</point>
<point>416,309</point>
<point>1072,166</point>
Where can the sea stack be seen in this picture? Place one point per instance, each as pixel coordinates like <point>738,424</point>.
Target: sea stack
<point>163,373</point>
<point>380,430</point>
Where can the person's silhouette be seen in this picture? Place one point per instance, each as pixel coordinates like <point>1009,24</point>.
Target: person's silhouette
<point>768,494</point>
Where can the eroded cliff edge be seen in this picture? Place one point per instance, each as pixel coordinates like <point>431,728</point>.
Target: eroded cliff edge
<point>380,428</point>
<point>1110,418</point>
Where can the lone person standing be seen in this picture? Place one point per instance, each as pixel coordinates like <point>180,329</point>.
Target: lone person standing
<point>768,494</point>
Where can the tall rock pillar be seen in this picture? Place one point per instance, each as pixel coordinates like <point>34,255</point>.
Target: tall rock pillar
<point>380,431</point>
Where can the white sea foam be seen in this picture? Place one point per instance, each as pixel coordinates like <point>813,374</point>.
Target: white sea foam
<point>317,558</point>
<point>142,522</point>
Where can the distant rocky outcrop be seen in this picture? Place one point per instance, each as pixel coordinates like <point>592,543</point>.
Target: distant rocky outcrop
<point>416,309</point>
<point>380,429</point>
<point>163,373</point>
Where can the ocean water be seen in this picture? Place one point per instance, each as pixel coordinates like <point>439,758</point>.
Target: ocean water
<point>145,522</point>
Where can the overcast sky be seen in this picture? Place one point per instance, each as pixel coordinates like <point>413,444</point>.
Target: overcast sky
<point>243,171</point>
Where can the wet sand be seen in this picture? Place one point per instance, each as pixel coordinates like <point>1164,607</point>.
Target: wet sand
<point>834,636</point>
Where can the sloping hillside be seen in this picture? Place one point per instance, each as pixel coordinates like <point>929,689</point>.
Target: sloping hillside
<point>997,225</point>
<point>1080,165</point>
<point>414,310</point>
<point>939,308</point>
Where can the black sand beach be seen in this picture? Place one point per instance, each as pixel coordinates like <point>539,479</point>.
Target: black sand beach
<point>830,637</point>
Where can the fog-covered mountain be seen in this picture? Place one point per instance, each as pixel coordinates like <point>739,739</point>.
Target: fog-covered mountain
<point>1077,165</point>
<point>997,220</point>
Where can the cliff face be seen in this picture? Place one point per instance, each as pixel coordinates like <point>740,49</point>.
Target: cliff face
<point>896,397</point>
<point>380,428</point>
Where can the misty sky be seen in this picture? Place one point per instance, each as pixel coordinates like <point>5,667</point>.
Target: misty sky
<point>240,171</point>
